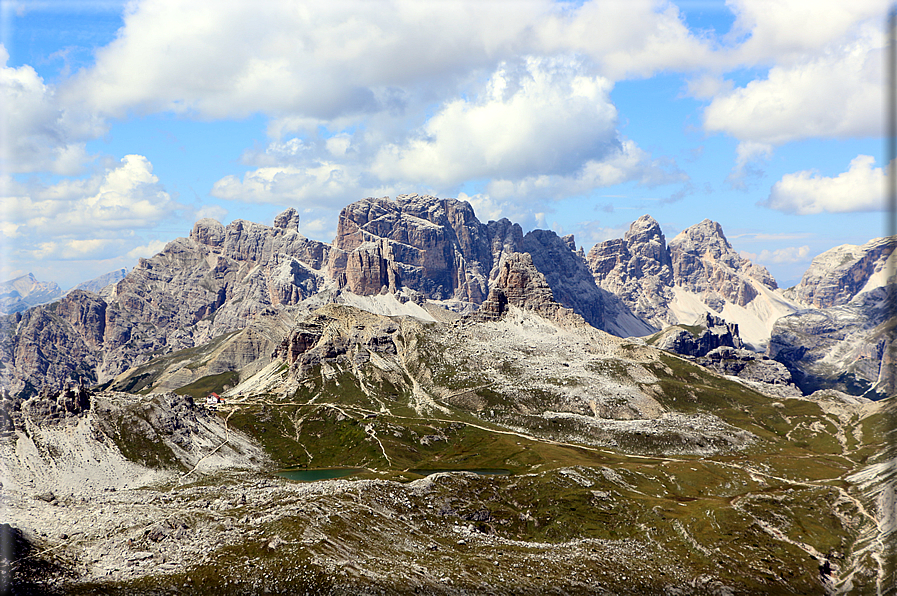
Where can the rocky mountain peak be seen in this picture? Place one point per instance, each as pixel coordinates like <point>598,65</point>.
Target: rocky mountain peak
<point>434,246</point>
<point>642,229</point>
<point>836,276</point>
<point>288,220</point>
<point>668,284</point>
<point>208,231</point>
<point>705,238</point>
<point>637,268</point>
<point>26,291</point>
<point>520,284</point>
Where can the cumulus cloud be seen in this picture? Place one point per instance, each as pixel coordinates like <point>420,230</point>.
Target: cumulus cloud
<point>85,219</point>
<point>37,131</point>
<point>835,94</point>
<point>534,131</point>
<point>147,250</point>
<point>545,116</point>
<point>327,59</point>
<point>323,184</point>
<point>787,32</point>
<point>791,254</point>
<point>860,188</point>
<point>824,78</point>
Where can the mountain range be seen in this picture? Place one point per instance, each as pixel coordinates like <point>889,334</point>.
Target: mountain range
<point>519,416</point>
<point>429,251</point>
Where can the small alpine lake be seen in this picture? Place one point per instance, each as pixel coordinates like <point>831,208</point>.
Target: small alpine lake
<point>312,475</point>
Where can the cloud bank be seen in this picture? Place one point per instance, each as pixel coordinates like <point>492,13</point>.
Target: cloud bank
<point>860,188</point>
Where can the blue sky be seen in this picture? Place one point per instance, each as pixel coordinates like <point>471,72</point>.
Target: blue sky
<point>124,123</point>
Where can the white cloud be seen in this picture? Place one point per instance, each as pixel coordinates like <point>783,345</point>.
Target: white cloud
<point>749,155</point>
<point>628,163</point>
<point>825,72</point>
<point>545,116</point>
<point>322,60</point>
<point>860,188</point>
<point>835,94</point>
<point>791,254</point>
<point>96,218</point>
<point>536,131</point>
<point>211,211</point>
<point>37,133</point>
<point>150,249</point>
<point>590,233</point>
<point>787,32</point>
<point>322,184</point>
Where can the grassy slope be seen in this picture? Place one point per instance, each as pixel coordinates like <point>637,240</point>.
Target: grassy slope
<point>752,518</point>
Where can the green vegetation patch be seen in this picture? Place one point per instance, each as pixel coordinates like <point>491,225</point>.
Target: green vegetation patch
<point>200,388</point>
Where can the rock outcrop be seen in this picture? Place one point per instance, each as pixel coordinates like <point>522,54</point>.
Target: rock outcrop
<point>337,333</point>
<point>706,334</point>
<point>435,246</point>
<point>850,347</point>
<point>698,271</point>
<point>750,366</point>
<point>520,284</point>
<point>839,274</point>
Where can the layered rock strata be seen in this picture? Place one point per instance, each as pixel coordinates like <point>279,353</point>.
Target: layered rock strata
<point>849,347</point>
<point>707,333</point>
<point>839,274</point>
<point>669,284</point>
<point>520,284</point>
<point>26,291</point>
<point>220,279</point>
<point>439,249</point>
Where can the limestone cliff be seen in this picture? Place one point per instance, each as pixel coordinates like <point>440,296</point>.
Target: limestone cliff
<point>849,347</point>
<point>837,275</point>
<point>438,248</point>
<point>220,279</point>
<point>698,271</point>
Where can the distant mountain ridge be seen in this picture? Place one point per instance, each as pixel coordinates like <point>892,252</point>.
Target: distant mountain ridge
<point>26,291</point>
<point>102,284</point>
<point>244,275</point>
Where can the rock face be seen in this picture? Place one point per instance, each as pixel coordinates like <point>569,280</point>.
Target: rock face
<point>520,284</point>
<point>750,366</point>
<point>849,347</point>
<point>705,263</point>
<point>24,292</point>
<point>337,333</point>
<point>438,248</point>
<point>637,268</point>
<point>220,279</point>
<point>698,271</point>
<point>435,246</point>
<point>839,274</point>
<point>224,278</point>
<point>573,286</point>
<point>698,339</point>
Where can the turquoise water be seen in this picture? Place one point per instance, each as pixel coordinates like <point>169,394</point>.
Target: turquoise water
<point>480,471</point>
<point>320,474</point>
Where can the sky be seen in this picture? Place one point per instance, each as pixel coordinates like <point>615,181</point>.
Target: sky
<point>122,123</point>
